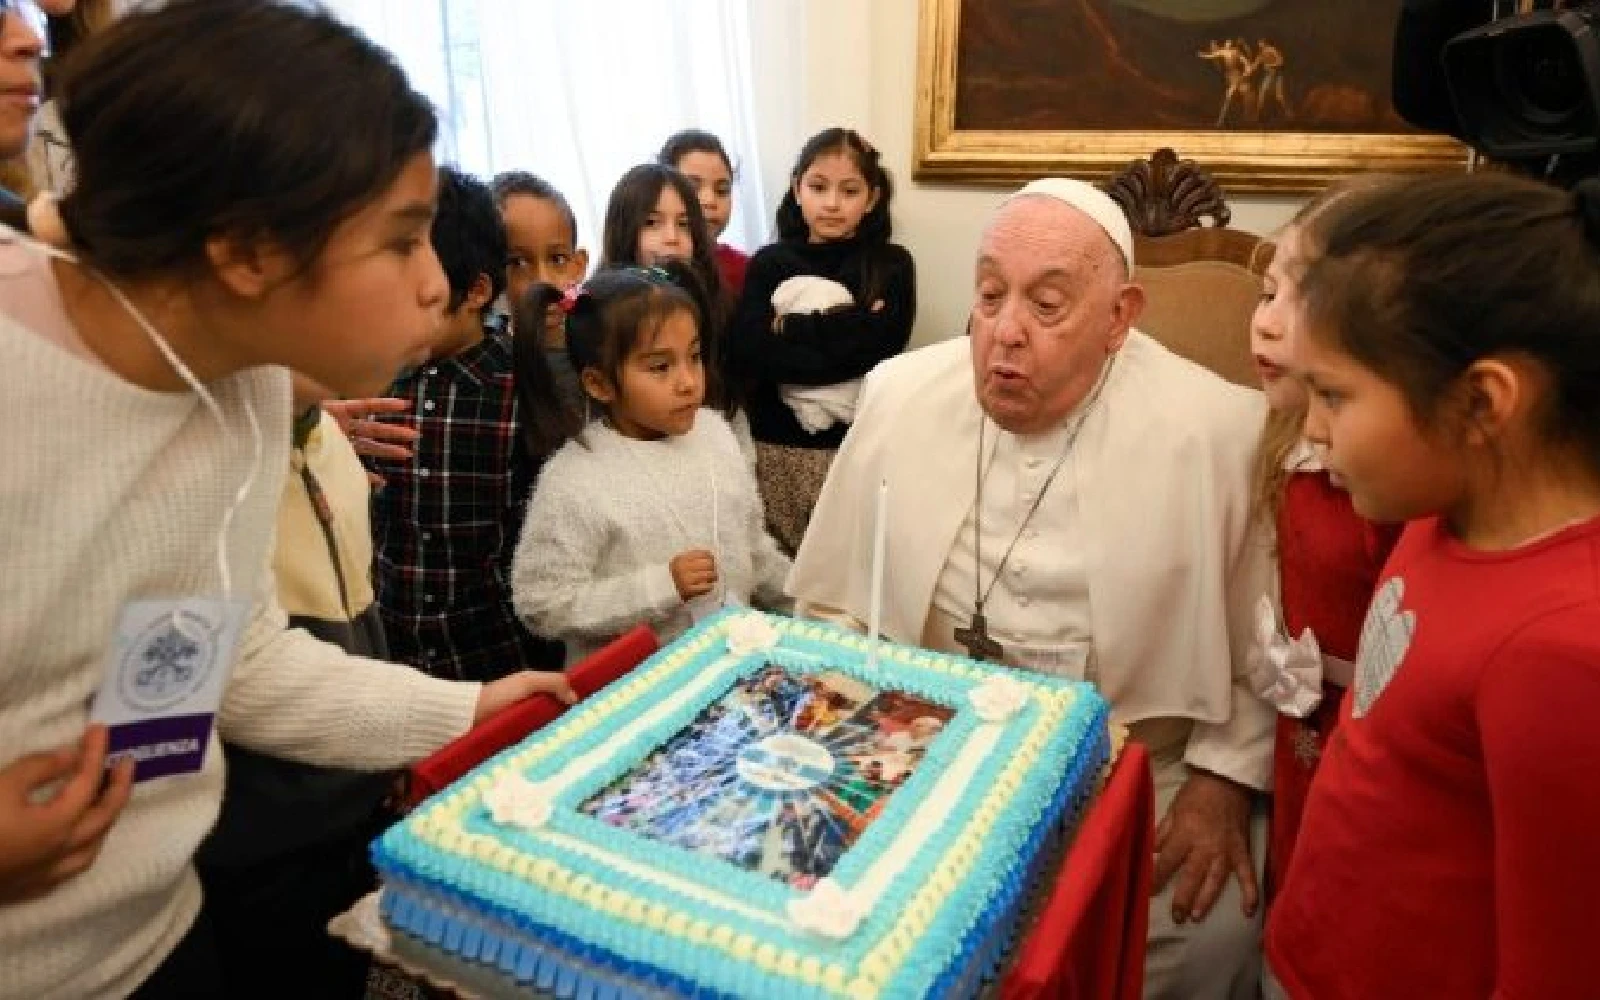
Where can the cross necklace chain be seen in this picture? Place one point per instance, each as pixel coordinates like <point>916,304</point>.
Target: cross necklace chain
<point>975,637</point>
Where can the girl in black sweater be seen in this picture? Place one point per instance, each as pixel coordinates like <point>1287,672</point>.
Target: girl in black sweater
<point>833,223</point>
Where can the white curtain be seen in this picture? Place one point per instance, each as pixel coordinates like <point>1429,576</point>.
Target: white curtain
<point>579,92</point>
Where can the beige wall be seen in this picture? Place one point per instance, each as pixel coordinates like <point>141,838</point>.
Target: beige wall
<point>857,60</point>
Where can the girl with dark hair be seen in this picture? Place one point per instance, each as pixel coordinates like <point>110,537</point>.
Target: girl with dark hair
<point>654,217</point>
<point>651,514</point>
<point>833,224</point>
<point>1446,332</point>
<point>229,221</point>
<point>700,156</point>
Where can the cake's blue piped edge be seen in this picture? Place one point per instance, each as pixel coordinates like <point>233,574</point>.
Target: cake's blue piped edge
<point>964,944</point>
<point>986,948</point>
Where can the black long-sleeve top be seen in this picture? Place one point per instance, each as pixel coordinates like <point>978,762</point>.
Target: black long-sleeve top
<point>816,348</point>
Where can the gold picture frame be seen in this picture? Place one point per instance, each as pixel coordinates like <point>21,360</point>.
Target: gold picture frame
<point>1284,162</point>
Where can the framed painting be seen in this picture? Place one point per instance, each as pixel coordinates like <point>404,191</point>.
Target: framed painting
<point>1267,95</point>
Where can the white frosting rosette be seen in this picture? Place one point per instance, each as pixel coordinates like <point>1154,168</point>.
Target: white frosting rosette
<point>827,911</point>
<point>751,633</point>
<point>516,801</point>
<point>998,697</point>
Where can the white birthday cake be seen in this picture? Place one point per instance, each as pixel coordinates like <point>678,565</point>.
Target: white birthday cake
<point>766,808</point>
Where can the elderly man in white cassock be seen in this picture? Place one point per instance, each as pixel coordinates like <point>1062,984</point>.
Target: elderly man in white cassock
<point>1067,496</point>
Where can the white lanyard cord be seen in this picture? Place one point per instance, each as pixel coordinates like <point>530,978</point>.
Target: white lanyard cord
<point>183,372</point>
<point>210,402</point>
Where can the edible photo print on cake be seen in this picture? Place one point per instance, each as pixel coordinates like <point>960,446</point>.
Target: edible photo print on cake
<point>780,776</point>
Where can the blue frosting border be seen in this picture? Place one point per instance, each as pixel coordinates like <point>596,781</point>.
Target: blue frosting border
<point>805,647</point>
<point>548,967</point>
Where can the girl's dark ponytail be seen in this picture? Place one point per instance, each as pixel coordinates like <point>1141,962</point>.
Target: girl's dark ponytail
<point>547,420</point>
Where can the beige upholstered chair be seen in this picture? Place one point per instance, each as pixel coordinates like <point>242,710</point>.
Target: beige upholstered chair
<point>1202,282</point>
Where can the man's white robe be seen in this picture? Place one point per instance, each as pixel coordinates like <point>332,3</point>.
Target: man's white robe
<point>1173,557</point>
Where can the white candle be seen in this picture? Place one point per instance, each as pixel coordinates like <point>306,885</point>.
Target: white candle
<point>880,532</point>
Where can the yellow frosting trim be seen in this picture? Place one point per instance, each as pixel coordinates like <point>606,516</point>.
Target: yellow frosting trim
<point>644,872</point>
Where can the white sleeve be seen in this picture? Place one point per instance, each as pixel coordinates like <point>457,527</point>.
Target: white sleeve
<point>298,697</point>
<point>1241,748</point>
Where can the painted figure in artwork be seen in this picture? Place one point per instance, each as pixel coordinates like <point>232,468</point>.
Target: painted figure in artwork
<point>1269,63</point>
<point>1238,72</point>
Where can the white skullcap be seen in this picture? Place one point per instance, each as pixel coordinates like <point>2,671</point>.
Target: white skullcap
<point>1091,201</point>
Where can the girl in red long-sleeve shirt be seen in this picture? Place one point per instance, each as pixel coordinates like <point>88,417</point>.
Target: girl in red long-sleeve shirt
<point>1448,331</point>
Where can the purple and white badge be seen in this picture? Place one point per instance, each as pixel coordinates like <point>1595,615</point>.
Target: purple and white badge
<point>164,679</point>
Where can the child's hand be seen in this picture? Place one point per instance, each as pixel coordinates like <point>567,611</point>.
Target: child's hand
<point>512,688</point>
<point>694,572</point>
<point>371,437</point>
<point>46,842</point>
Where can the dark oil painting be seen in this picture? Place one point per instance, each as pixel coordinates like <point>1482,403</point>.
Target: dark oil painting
<point>1310,66</point>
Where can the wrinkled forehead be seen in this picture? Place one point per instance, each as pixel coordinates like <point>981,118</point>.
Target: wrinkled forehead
<point>1036,235</point>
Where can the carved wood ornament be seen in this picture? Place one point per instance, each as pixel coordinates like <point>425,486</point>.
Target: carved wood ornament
<point>1164,195</point>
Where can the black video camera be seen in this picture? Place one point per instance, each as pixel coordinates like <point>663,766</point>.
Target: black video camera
<point>1524,89</point>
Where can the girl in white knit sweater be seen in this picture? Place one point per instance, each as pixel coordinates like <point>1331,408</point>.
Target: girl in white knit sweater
<point>228,220</point>
<point>650,514</point>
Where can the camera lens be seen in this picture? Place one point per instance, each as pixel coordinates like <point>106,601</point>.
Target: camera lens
<point>1540,77</point>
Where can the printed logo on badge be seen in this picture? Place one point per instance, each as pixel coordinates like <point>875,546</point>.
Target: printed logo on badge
<point>166,669</point>
<point>167,663</point>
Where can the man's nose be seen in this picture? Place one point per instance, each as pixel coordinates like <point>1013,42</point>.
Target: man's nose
<point>1008,327</point>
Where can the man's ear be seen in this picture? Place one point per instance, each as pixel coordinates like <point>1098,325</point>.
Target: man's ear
<point>1125,312</point>
<point>247,268</point>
